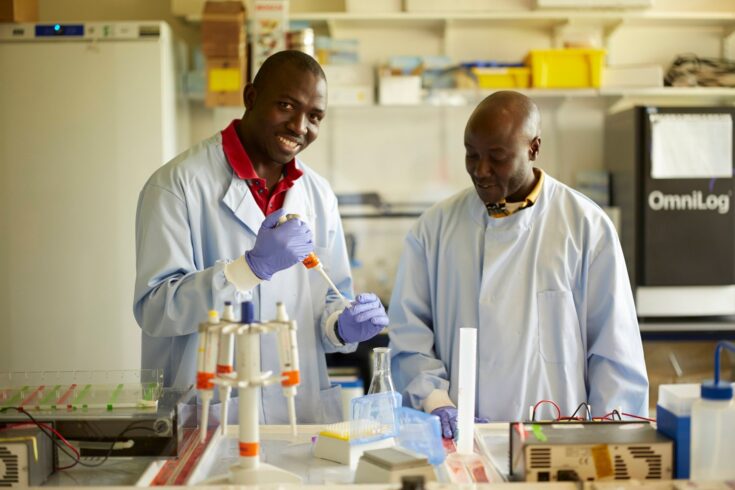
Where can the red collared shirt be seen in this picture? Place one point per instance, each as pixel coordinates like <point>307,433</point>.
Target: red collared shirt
<point>243,167</point>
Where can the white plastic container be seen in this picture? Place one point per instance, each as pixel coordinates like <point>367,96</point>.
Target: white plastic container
<point>713,434</point>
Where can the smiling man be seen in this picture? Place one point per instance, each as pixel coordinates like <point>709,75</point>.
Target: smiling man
<point>536,267</point>
<point>207,232</point>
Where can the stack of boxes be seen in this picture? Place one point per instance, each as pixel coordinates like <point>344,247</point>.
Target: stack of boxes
<point>223,45</point>
<point>18,10</point>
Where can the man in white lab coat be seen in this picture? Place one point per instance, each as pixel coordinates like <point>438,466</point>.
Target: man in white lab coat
<point>206,233</point>
<point>536,267</point>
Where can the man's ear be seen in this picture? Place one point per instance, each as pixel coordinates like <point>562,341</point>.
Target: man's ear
<point>534,148</point>
<point>248,96</point>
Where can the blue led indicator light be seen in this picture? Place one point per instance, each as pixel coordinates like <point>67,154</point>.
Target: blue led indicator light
<point>57,27</point>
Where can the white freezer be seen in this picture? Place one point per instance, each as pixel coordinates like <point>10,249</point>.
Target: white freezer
<point>84,120</point>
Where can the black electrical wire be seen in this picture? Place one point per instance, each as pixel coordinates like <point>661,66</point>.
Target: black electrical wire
<point>583,404</point>
<point>62,448</point>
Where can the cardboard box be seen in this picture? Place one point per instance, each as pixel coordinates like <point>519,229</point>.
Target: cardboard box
<point>187,7</point>
<point>18,10</point>
<point>633,76</point>
<point>225,82</point>
<point>351,95</point>
<point>223,29</point>
<point>349,74</point>
<point>400,90</point>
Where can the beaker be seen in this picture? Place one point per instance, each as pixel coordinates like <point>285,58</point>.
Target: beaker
<point>381,381</point>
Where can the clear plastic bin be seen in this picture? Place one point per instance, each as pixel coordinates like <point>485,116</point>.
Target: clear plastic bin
<point>566,68</point>
<point>421,433</point>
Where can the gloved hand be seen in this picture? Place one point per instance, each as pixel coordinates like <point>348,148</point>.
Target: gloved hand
<point>363,320</point>
<point>448,419</point>
<point>279,247</point>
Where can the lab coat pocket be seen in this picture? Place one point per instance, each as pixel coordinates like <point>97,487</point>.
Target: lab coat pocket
<point>560,341</point>
<point>331,405</point>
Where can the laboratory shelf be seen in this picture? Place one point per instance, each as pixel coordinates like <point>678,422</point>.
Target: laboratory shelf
<point>529,17</point>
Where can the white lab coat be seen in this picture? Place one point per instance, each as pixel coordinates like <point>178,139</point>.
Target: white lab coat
<point>548,291</point>
<point>194,215</point>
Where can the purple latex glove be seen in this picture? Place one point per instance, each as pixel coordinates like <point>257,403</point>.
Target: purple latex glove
<point>363,320</point>
<point>279,247</point>
<point>448,419</point>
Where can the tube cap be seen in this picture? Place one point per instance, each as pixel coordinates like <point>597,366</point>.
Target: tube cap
<point>247,313</point>
<point>719,391</point>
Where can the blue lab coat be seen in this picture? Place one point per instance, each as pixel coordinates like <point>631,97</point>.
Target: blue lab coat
<point>548,291</point>
<point>194,215</point>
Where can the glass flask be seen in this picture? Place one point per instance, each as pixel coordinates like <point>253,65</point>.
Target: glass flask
<point>381,381</point>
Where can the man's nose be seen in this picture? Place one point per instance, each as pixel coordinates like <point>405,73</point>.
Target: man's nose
<point>298,123</point>
<point>483,168</point>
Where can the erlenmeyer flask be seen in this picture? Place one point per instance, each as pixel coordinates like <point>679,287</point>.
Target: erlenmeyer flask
<point>381,381</point>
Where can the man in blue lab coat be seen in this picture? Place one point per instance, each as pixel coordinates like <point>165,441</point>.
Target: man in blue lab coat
<point>536,267</point>
<point>206,233</point>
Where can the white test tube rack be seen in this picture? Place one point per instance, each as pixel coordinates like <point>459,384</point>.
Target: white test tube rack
<point>248,379</point>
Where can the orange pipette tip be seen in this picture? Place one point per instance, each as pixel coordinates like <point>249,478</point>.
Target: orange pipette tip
<point>310,261</point>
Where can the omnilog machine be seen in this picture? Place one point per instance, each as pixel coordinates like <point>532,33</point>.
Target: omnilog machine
<point>672,178</point>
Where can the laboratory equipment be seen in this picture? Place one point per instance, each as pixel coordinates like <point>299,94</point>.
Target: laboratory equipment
<point>249,379</point>
<point>206,364</point>
<point>312,262</point>
<point>130,409</point>
<point>373,425</point>
<point>391,464</point>
<point>582,451</point>
<point>26,457</point>
<point>713,427</point>
<point>345,442</point>
<point>672,180</point>
<point>78,215</point>
<point>225,360</point>
<point>466,390</point>
<point>673,419</point>
<point>381,381</point>
<point>54,391</point>
<point>421,433</point>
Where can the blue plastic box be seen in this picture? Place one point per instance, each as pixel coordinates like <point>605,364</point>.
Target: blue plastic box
<point>678,428</point>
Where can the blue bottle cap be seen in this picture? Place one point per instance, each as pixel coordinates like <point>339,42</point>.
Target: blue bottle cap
<point>247,314</point>
<point>719,391</point>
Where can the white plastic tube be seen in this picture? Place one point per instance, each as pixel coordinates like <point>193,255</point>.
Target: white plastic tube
<point>466,389</point>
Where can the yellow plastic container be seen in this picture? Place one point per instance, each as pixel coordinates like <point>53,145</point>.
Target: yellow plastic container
<point>502,77</point>
<point>566,68</point>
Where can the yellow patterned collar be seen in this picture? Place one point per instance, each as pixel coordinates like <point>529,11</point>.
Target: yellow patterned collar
<point>504,209</point>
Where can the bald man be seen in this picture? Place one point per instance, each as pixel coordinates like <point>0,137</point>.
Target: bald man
<point>535,267</point>
<point>206,233</point>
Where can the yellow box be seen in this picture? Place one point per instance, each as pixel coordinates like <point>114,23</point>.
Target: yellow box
<point>566,68</point>
<point>225,82</point>
<point>502,77</point>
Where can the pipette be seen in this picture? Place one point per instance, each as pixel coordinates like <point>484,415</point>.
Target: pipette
<point>206,360</point>
<point>224,362</point>
<point>312,262</point>
<point>289,357</point>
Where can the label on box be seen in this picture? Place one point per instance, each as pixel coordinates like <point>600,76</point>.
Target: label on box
<point>225,79</point>
<point>270,23</point>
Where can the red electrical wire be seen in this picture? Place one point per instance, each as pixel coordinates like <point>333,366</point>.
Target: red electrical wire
<point>558,410</point>
<point>61,438</point>
<point>638,417</point>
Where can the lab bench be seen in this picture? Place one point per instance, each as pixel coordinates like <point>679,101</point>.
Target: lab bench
<point>200,462</point>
